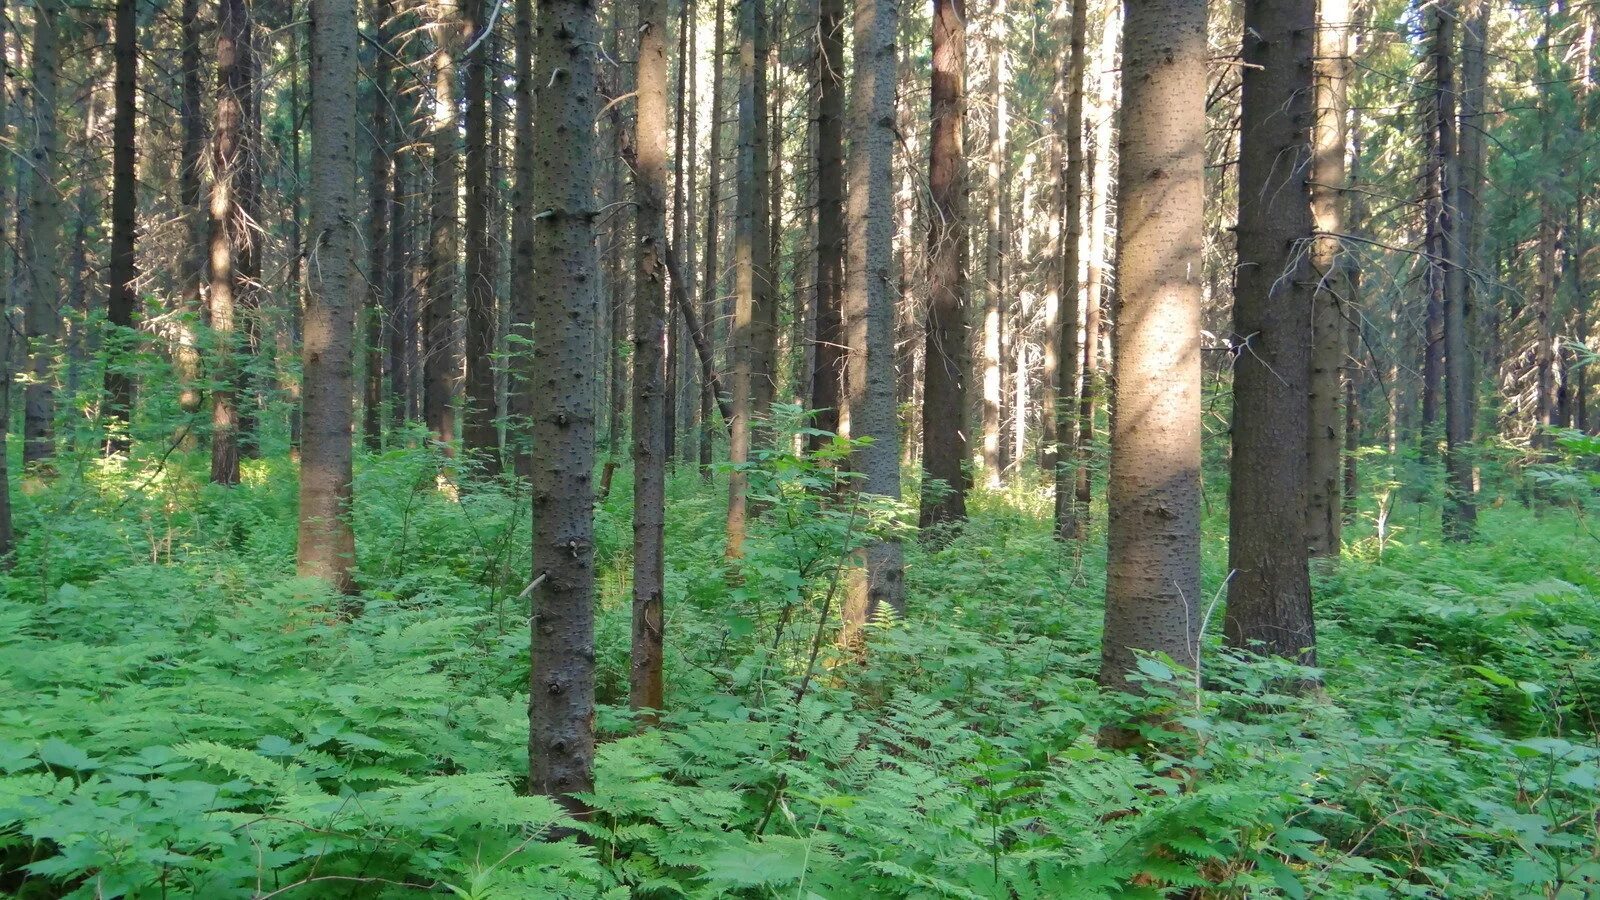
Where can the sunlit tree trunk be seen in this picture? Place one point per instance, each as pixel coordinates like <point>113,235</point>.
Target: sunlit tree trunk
<point>440,362</point>
<point>1153,544</point>
<point>228,160</point>
<point>1068,514</point>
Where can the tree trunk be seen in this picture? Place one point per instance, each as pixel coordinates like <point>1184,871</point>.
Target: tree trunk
<point>828,370</point>
<point>741,339</point>
<point>186,358</point>
<point>645,689</point>
<point>520,396</point>
<point>944,406</point>
<point>690,391</point>
<point>440,363</point>
<point>712,276</point>
<point>1330,267</point>
<point>327,545</point>
<point>1153,544</point>
<point>228,159</point>
<point>764,309</point>
<point>1068,514</point>
<point>561,679</point>
<point>995,260</point>
<point>120,298</point>
<point>43,319</point>
<point>1269,596</point>
<point>8,322</point>
<point>479,434</point>
<point>869,299</point>
<point>380,192</point>
<point>1459,513</point>
<point>1100,219</point>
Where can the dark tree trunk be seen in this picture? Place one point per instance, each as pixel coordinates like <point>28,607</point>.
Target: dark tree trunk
<point>380,193</point>
<point>712,275</point>
<point>440,362</point>
<point>228,161</point>
<point>120,297</point>
<point>479,434</point>
<point>944,406</point>
<point>828,370</point>
<point>1068,513</point>
<point>1460,514</point>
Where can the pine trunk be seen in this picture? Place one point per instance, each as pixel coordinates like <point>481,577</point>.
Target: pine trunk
<point>120,295</point>
<point>440,362</point>
<point>480,435</point>
<point>828,369</point>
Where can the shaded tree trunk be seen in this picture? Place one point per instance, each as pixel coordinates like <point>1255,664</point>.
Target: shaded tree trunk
<point>828,370</point>
<point>1460,514</point>
<point>228,161</point>
<point>944,407</point>
<point>747,235</point>
<point>1068,514</point>
<point>645,688</point>
<point>327,545</point>
<point>712,274</point>
<point>120,298</point>
<point>1153,544</point>
<point>380,192</point>
<point>42,240</point>
<point>520,387</point>
<point>1269,595</point>
<point>440,362</point>
<point>479,434</point>
<point>561,678</point>
<point>186,357</point>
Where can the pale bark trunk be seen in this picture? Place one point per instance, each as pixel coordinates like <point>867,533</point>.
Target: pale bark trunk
<point>561,678</point>
<point>228,161</point>
<point>1153,545</point>
<point>327,545</point>
<point>995,260</point>
<point>440,362</point>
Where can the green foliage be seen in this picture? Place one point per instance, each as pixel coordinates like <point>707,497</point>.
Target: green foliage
<point>182,717</point>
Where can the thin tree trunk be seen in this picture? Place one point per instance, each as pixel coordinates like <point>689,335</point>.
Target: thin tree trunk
<point>994,288</point>
<point>8,322</point>
<point>944,406</point>
<point>186,358</point>
<point>120,297</point>
<point>561,677</point>
<point>43,320</point>
<point>227,164</point>
<point>1100,218</point>
<point>1330,268</point>
<point>1269,594</point>
<point>380,190</point>
<point>479,434</point>
<point>764,310</point>
<point>1153,544</point>
<point>1459,513</point>
<point>520,400</point>
<point>745,258</point>
<point>327,545</point>
<point>645,688</point>
<point>712,274</point>
<point>1068,515</point>
<point>869,298</point>
<point>828,371</point>
<point>440,363</point>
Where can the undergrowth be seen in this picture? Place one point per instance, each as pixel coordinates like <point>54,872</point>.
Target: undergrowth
<point>180,717</point>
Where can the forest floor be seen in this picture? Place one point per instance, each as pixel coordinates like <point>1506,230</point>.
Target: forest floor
<point>179,716</point>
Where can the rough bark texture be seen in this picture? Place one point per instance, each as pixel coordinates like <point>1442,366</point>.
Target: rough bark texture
<point>1330,268</point>
<point>944,406</point>
<point>709,301</point>
<point>1068,515</point>
<point>520,396</point>
<point>186,357</point>
<point>120,294</point>
<point>380,196</point>
<point>645,689</point>
<point>479,434</point>
<point>327,545</point>
<point>1153,545</point>
<point>228,160</point>
<point>43,251</point>
<point>561,680</point>
<point>764,301</point>
<point>745,276</point>
<point>870,294</point>
<point>440,365</point>
<point>828,368</point>
<point>1269,597</point>
<point>1460,514</point>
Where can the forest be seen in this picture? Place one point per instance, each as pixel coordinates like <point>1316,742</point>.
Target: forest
<point>799,448</point>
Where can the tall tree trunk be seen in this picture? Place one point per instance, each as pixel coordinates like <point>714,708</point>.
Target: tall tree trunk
<point>43,319</point>
<point>327,545</point>
<point>828,371</point>
<point>1068,514</point>
<point>8,318</point>
<point>741,339</point>
<point>380,193</point>
<point>186,358</point>
<point>561,679</point>
<point>764,309</point>
<point>1330,267</point>
<point>944,406</point>
<point>1153,544</point>
<point>995,260</point>
<point>1460,514</point>
<point>712,277</point>
<point>689,392</point>
<point>520,399</point>
<point>120,297</point>
<point>670,323</point>
<point>869,299</point>
<point>440,363</point>
<point>401,313</point>
<point>645,689</point>
<point>479,434</point>
<point>1269,596</point>
<point>1100,217</point>
<point>228,161</point>
<point>1433,209</point>
<point>249,237</point>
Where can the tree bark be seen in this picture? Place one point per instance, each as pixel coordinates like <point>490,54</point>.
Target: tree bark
<point>520,392</point>
<point>480,436</point>
<point>870,295</point>
<point>120,298</point>
<point>228,161</point>
<point>1068,514</point>
<point>1459,513</point>
<point>186,357</point>
<point>43,254</point>
<point>747,235</point>
<point>1153,543</point>
<point>645,687</point>
<point>561,678</point>
<point>1269,595</point>
<point>828,371</point>
<point>1330,267</point>
<point>380,194</point>
<point>944,406</point>
<point>712,274</point>
<point>995,260</point>
<point>1100,222</point>
<point>440,362</point>
<point>327,545</point>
